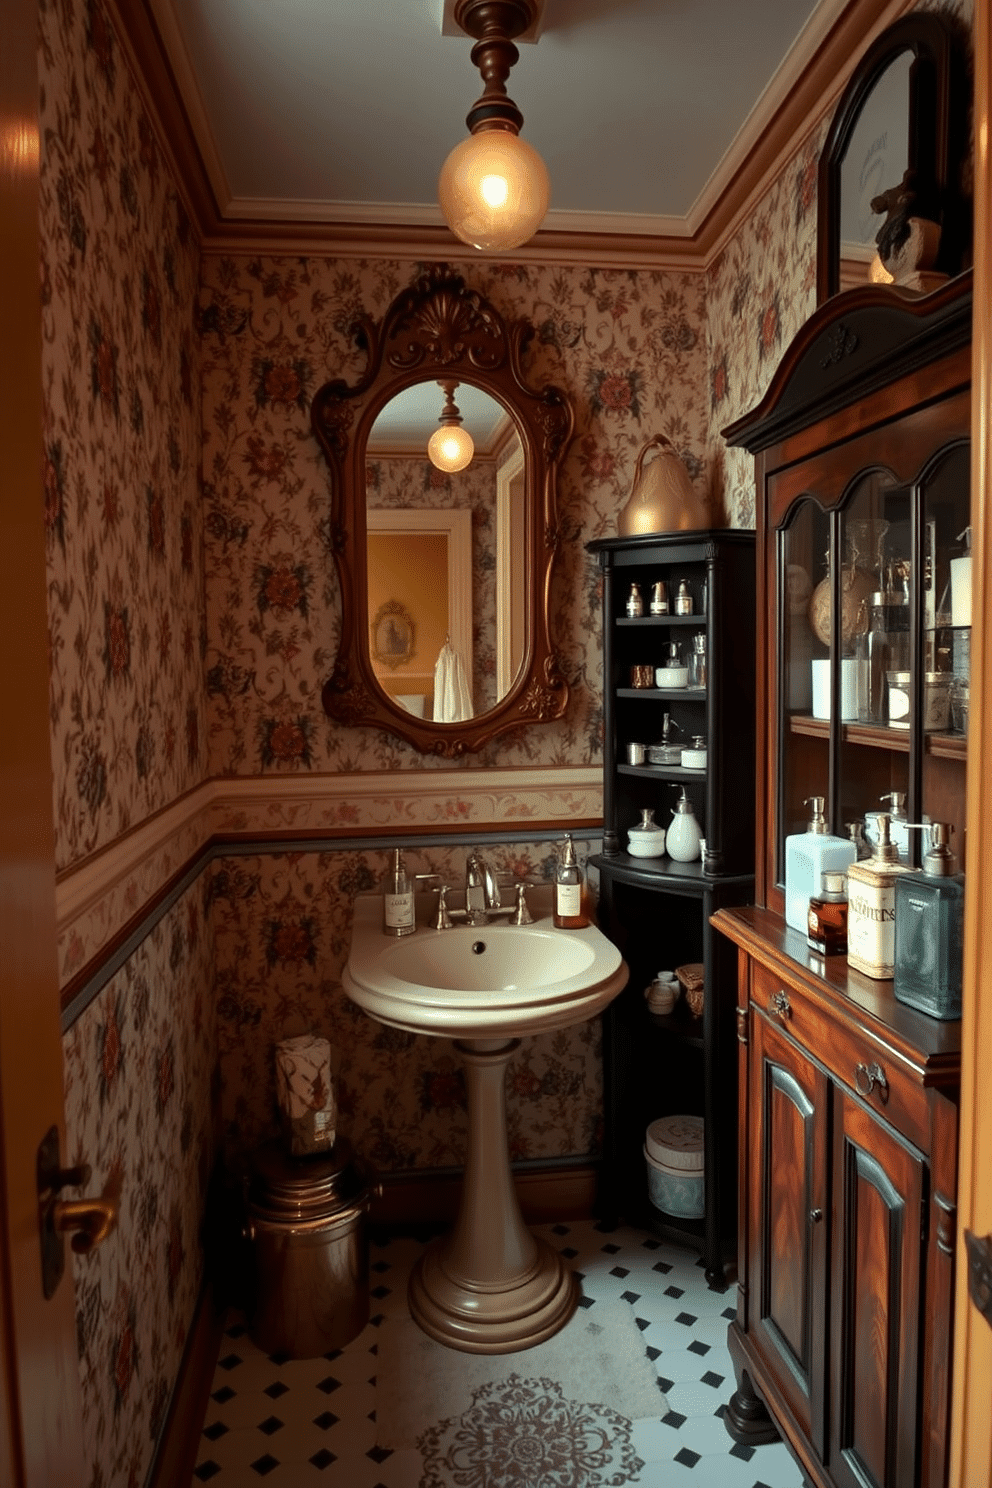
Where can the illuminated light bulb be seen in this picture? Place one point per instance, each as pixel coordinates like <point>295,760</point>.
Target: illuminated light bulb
<point>494,190</point>
<point>450,448</point>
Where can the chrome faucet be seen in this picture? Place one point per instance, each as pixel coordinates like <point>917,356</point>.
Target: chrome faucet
<point>481,889</point>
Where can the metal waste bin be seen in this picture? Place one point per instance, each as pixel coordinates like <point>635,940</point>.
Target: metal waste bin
<point>307,1227</point>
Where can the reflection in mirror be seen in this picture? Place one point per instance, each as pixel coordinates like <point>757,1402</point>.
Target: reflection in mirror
<point>875,160</point>
<point>446,556</point>
<point>899,132</point>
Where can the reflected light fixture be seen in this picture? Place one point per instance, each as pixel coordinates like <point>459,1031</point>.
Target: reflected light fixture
<point>493,188</point>
<point>450,447</point>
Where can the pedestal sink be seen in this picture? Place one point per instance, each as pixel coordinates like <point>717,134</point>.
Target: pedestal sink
<point>490,1286</point>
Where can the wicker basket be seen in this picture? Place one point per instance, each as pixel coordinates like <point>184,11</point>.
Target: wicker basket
<point>692,980</point>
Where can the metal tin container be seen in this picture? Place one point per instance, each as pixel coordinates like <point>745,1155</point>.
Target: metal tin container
<point>307,1225</point>
<point>673,1150</point>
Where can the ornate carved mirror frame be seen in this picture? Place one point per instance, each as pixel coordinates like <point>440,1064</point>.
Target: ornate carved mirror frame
<point>939,92</point>
<point>441,328</point>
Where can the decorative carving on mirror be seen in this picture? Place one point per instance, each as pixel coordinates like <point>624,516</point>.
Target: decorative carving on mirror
<point>436,328</point>
<point>890,199</point>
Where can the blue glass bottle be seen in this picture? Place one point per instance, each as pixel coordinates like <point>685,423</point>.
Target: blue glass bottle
<point>930,932</point>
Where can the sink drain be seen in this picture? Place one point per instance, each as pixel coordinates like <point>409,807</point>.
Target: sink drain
<point>478,946</point>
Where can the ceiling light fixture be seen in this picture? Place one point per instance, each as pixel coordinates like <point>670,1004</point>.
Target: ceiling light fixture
<point>450,447</point>
<point>494,188</point>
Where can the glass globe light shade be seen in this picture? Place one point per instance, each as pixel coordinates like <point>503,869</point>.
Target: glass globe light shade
<point>494,190</point>
<point>450,448</point>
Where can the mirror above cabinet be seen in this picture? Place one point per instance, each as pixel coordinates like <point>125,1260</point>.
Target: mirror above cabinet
<point>444,572</point>
<point>890,197</point>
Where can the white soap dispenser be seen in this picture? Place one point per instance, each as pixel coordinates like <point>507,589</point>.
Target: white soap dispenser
<point>683,836</point>
<point>808,856</point>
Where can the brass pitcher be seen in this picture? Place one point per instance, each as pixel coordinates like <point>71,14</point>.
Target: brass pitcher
<point>663,498</point>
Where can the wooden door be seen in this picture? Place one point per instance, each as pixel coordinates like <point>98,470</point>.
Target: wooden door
<point>40,1440</point>
<point>877,1248</point>
<point>787,1221</point>
<point>971,1436</point>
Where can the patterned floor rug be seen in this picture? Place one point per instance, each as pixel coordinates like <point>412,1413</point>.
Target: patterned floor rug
<point>555,1416</point>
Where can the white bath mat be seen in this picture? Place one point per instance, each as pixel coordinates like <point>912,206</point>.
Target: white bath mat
<point>597,1359</point>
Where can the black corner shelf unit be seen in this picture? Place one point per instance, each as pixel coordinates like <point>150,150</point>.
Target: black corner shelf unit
<point>658,910</point>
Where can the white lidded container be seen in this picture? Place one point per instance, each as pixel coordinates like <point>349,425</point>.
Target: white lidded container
<point>673,1152</point>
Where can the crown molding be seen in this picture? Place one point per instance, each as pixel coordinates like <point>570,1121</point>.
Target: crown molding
<point>804,87</point>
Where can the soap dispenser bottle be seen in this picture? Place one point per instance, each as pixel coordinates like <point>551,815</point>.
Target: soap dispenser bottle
<point>930,931</point>
<point>871,907</point>
<point>397,899</point>
<point>569,913</point>
<point>683,836</point>
<point>808,856</point>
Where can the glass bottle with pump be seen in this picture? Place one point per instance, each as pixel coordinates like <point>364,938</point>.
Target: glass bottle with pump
<point>929,941</point>
<point>397,899</point>
<point>569,913</point>
<point>808,856</point>
<point>666,753</point>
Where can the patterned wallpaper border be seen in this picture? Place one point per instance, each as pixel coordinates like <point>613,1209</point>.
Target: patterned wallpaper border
<point>98,899</point>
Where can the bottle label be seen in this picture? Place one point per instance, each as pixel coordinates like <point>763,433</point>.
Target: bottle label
<point>398,911</point>
<point>568,898</point>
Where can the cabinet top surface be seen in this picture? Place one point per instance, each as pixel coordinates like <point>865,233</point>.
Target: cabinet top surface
<point>765,936</point>
<point>701,538</point>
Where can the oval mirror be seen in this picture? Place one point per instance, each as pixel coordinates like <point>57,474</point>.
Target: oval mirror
<point>444,573</point>
<point>895,151</point>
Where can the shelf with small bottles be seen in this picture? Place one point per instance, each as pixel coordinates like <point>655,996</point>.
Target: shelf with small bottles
<point>658,907</point>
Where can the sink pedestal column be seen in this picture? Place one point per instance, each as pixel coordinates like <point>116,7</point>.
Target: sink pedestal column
<point>490,1286</point>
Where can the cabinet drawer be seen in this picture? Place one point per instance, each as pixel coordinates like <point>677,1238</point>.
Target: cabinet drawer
<point>852,1054</point>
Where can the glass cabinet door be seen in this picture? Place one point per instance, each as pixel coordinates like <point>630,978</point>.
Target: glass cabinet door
<point>945,641</point>
<point>873,709</point>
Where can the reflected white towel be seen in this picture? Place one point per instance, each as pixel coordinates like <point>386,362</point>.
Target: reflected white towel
<point>452,698</point>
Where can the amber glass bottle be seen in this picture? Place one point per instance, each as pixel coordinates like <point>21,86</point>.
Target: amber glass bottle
<point>827,924</point>
<point>570,911</point>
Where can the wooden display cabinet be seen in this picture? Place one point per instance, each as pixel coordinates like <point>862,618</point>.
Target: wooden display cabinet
<point>657,910</point>
<point>847,1174</point>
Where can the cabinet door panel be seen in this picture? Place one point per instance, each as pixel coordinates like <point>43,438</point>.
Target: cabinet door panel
<point>788,1171</point>
<point>877,1250</point>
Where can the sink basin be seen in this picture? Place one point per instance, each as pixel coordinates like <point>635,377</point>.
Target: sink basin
<point>489,981</point>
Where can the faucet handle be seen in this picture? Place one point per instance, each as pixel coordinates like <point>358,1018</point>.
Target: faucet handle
<point>442,920</point>
<point>521,914</point>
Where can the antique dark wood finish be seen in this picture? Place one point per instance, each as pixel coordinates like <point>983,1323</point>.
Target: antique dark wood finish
<point>441,328</point>
<point>938,125</point>
<point>847,1097</point>
<point>658,910</point>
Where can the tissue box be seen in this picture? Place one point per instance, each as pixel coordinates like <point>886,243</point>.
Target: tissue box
<point>306,1094</point>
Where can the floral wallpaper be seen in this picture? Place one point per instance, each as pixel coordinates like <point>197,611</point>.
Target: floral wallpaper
<point>628,346</point>
<point>122,443</point>
<point>282,924</point>
<point>394,482</point>
<point>139,1066</point>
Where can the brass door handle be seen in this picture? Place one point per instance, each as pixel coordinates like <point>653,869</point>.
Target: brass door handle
<point>89,1220</point>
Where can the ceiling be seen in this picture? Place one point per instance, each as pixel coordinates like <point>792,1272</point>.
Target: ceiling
<point>343,111</point>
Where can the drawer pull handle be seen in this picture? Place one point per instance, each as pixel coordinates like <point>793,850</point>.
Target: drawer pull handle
<point>815,1215</point>
<point>780,1004</point>
<point>867,1076</point>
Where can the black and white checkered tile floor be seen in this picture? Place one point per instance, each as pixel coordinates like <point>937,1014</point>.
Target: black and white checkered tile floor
<point>295,1422</point>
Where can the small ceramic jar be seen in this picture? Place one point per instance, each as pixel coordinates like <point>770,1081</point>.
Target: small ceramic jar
<point>647,839</point>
